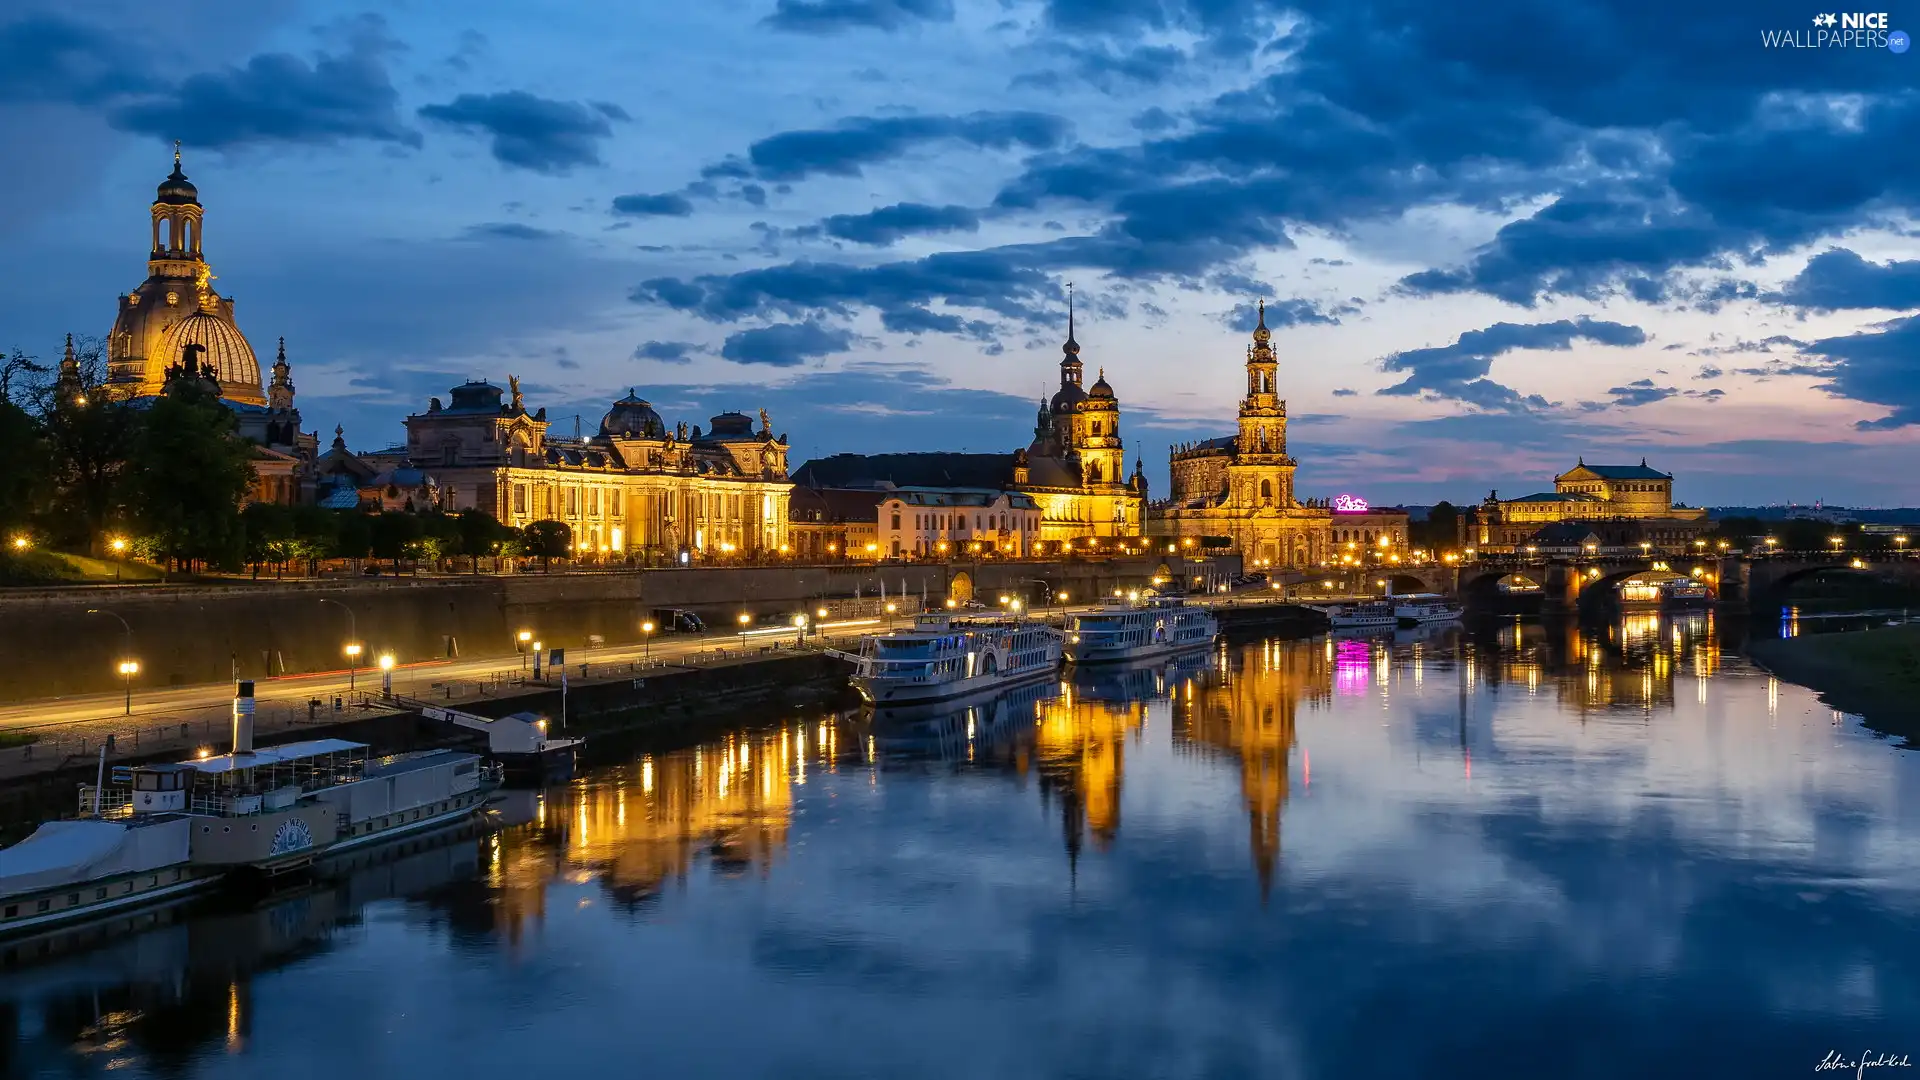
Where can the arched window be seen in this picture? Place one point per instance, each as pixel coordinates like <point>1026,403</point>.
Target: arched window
<point>1266,492</point>
<point>896,520</point>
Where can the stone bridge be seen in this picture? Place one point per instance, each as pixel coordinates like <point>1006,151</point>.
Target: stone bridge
<point>1736,580</point>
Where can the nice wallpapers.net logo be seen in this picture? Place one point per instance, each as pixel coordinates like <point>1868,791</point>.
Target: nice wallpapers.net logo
<point>1841,30</point>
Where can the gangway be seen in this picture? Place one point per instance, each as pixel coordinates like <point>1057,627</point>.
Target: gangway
<point>517,741</point>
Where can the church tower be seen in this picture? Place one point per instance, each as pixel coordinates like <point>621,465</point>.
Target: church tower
<point>176,307</point>
<point>1262,473</point>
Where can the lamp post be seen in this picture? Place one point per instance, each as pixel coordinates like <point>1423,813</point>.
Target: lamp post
<point>353,641</point>
<point>646,639</point>
<point>746,620</point>
<point>119,546</point>
<point>386,675</point>
<point>1900,545</point>
<point>521,641</point>
<point>800,625</point>
<point>536,661</point>
<point>128,665</point>
<point>891,608</point>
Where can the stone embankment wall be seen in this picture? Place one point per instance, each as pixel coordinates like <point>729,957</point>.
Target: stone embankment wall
<point>183,635</point>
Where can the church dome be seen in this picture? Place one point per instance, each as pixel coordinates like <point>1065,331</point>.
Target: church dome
<point>1068,399</point>
<point>731,425</point>
<point>633,416</point>
<point>1100,388</point>
<point>176,189</point>
<point>225,350</point>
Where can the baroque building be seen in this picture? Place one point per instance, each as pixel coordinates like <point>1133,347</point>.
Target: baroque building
<point>1239,488</point>
<point>633,488</point>
<point>1067,484</point>
<point>175,321</point>
<point>1622,505</point>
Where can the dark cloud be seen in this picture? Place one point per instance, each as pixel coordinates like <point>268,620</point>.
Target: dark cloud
<point>1879,367</point>
<point>1282,314</point>
<point>1458,371</point>
<point>1346,392</point>
<point>890,223</point>
<point>530,132</point>
<point>47,58</point>
<point>666,352</point>
<point>833,16</point>
<point>668,205</point>
<point>1640,392</point>
<point>280,98</point>
<point>785,344</point>
<point>1839,279</point>
<point>1709,371</point>
<point>1762,345</point>
<point>916,320</point>
<point>845,148</point>
<point>507,230</point>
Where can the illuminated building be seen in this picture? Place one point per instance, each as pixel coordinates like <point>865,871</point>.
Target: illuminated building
<point>1623,505</point>
<point>1079,751</point>
<point>1069,483</point>
<point>633,486</point>
<point>1239,488</point>
<point>175,324</point>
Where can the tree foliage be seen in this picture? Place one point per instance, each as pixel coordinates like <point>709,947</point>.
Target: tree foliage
<point>194,473</point>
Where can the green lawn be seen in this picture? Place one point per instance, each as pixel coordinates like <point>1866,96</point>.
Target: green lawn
<point>10,739</point>
<point>41,567</point>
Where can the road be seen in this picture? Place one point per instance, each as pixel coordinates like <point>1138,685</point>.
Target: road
<point>99,712</point>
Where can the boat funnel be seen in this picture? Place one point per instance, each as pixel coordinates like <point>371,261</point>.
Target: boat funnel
<point>243,717</point>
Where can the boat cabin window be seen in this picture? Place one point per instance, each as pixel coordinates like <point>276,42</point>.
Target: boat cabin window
<point>157,781</point>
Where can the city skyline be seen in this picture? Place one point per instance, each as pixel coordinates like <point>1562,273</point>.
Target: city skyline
<point>1635,243</point>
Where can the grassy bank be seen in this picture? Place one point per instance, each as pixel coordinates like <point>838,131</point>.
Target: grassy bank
<point>1874,673</point>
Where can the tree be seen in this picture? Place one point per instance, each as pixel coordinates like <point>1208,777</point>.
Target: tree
<point>269,534</point>
<point>481,535</point>
<point>89,444</point>
<point>393,533</point>
<point>17,372</point>
<point>24,461</point>
<point>316,533</point>
<point>194,472</point>
<point>352,535</point>
<point>1440,531</point>
<point>549,540</point>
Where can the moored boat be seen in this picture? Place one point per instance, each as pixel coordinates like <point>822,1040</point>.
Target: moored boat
<point>1366,615</point>
<point>1139,630</point>
<point>942,657</point>
<point>1421,609</point>
<point>154,832</point>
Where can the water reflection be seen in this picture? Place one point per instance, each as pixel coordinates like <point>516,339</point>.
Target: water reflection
<point>1509,846</point>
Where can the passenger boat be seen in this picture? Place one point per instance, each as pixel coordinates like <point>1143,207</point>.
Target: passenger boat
<point>154,832</point>
<point>949,656</point>
<point>1368,615</point>
<point>1420,609</point>
<point>1141,630</point>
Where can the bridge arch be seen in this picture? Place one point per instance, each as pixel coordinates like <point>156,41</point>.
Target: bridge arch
<point>960,587</point>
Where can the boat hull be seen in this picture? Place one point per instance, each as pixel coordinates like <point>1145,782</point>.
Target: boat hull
<point>880,692</point>
<point>1120,654</point>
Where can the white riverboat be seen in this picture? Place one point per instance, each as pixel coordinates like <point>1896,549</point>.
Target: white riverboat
<point>949,656</point>
<point>1140,630</point>
<point>1367,615</point>
<point>154,832</point>
<point>1421,609</point>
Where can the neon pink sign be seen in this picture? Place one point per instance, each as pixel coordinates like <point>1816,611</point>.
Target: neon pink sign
<point>1349,504</point>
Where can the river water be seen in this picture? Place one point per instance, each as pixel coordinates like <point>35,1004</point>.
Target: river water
<point>1512,850</point>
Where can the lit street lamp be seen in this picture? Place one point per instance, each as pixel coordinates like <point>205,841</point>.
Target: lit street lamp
<point>891,608</point>
<point>386,675</point>
<point>522,640</point>
<point>800,624</point>
<point>646,639</point>
<point>746,620</point>
<point>353,641</point>
<point>129,667</point>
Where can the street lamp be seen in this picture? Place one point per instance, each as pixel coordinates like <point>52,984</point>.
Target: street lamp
<point>386,675</point>
<point>800,624</point>
<point>1900,544</point>
<point>353,641</point>
<point>646,639</point>
<point>21,542</point>
<point>522,640</point>
<point>746,620</point>
<point>128,665</point>
<point>536,660</point>
<point>1837,542</point>
<point>891,608</point>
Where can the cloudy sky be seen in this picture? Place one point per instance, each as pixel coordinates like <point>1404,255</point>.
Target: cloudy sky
<point>1491,237</point>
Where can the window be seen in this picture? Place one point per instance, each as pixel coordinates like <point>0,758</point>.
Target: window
<point>896,522</point>
<point>43,905</point>
<point>101,893</point>
<point>13,911</point>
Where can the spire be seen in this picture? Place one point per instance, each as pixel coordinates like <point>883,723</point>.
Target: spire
<point>1072,347</point>
<point>176,155</point>
<point>340,438</point>
<point>1262,335</point>
<point>67,383</point>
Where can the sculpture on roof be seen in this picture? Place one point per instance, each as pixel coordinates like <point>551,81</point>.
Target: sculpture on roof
<point>513,388</point>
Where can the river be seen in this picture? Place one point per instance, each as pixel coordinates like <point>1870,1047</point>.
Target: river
<point>1510,850</point>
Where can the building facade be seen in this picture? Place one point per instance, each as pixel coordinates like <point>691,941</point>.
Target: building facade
<point>1625,505</point>
<point>175,322</point>
<point>1074,469</point>
<point>1240,487</point>
<point>634,488</point>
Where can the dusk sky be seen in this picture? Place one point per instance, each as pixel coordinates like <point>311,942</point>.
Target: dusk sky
<point>1492,237</point>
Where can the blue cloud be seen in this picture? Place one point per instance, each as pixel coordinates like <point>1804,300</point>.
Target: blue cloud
<point>668,205</point>
<point>1640,392</point>
<point>844,149</point>
<point>1281,313</point>
<point>832,16</point>
<point>507,230</point>
<point>889,223</point>
<point>1839,279</point>
<point>1459,371</point>
<point>280,98</point>
<point>666,352</point>
<point>530,132</point>
<point>1880,367</point>
<point>785,344</point>
<point>47,58</point>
